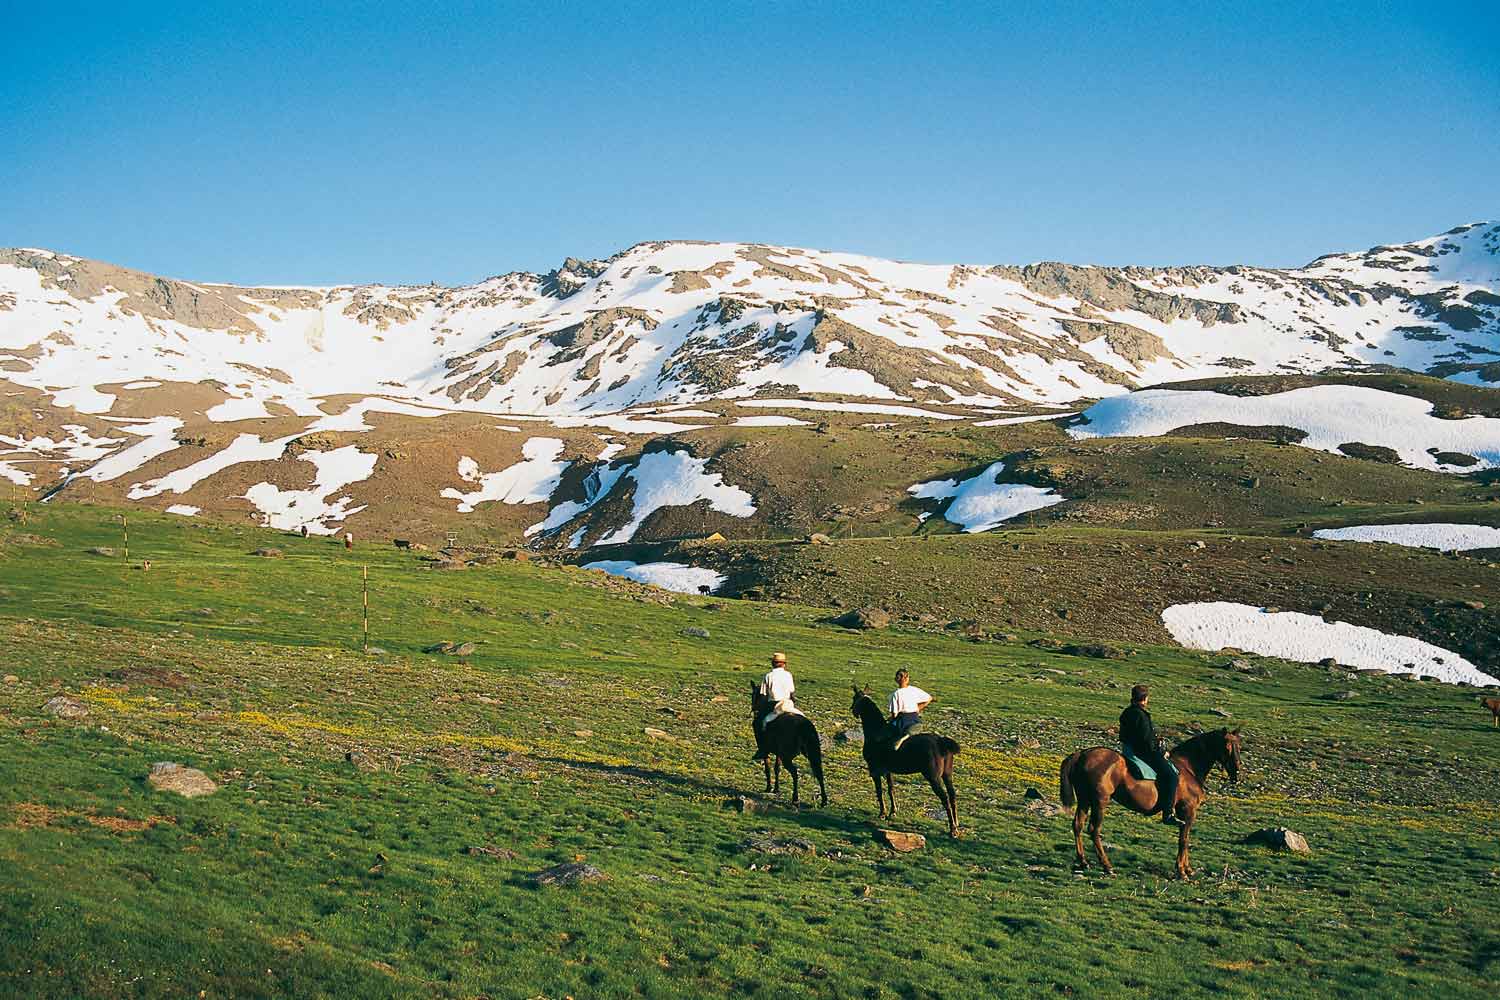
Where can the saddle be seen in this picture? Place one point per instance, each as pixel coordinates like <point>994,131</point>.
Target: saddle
<point>916,730</point>
<point>1138,768</point>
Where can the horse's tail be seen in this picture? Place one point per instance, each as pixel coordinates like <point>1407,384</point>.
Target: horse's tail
<point>947,745</point>
<point>812,748</point>
<point>1065,779</point>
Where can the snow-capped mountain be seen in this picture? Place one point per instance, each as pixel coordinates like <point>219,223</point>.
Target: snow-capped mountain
<point>200,396</point>
<point>686,322</point>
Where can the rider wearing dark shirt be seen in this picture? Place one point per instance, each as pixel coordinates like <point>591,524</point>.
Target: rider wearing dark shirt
<point>1138,736</point>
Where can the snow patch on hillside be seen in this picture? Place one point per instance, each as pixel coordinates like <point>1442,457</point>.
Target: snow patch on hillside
<point>1444,537</point>
<point>982,502</point>
<point>531,480</point>
<point>1215,625</point>
<point>673,576</point>
<point>677,479</point>
<point>1330,414</point>
<point>311,508</point>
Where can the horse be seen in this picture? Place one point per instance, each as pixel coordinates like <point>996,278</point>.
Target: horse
<point>1089,779</point>
<point>925,754</point>
<point>787,737</point>
<point>1493,704</point>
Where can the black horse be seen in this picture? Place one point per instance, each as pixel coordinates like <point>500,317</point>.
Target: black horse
<point>925,754</point>
<point>787,737</point>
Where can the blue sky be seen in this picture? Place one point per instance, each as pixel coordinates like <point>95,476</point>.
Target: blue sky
<point>381,142</point>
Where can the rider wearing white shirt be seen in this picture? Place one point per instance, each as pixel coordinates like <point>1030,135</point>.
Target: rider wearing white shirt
<point>776,688</point>
<point>906,704</point>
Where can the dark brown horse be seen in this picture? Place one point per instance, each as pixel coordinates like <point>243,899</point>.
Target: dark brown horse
<point>1090,778</point>
<point>787,737</point>
<point>925,754</point>
<point>1493,704</point>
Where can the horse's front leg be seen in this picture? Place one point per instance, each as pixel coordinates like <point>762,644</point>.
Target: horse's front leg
<point>777,766</point>
<point>879,796</point>
<point>767,763</point>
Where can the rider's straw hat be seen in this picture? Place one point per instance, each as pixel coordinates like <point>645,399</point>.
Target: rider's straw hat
<point>778,657</point>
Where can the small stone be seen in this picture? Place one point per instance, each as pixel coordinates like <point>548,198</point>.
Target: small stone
<point>719,699</point>
<point>1340,695</point>
<point>271,553</point>
<point>11,679</point>
<point>849,736</point>
<point>817,538</point>
<point>901,842</point>
<point>583,734</point>
<point>695,632</point>
<point>657,734</point>
<point>1281,839</point>
<point>864,618</point>
<point>491,851</point>
<point>66,708</point>
<point>102,550</point>
<point>463,649</point>
<point>572,873</point>
<point>361,760</point>
<point>189,782</point>
<point>1221,713</point>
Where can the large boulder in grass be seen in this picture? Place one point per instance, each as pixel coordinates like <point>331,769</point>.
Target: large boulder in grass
<point>864,619</point>
<point>1281,839</point>
<point>189,782</point>
<point>567,874</point>
<point>66,708</point>
<point>901,842</point>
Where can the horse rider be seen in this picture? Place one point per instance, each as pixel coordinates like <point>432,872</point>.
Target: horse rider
<point>1139,739</point>
<point>906,705</point>
<point>776,687</point>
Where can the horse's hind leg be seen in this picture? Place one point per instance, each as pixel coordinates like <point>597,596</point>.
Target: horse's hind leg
<point>952,798</point>
<point>792,769</point>
<point>935,779</point>
<point>1078,814</point>
<point>1096,823</point>
<point>890,793</point>
<point>767,764</point>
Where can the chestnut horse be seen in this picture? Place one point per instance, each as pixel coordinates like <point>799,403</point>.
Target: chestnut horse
<point>925,754</point>
<point>1090,778</point>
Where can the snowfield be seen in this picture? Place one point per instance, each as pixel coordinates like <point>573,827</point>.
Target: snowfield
<point>667,575</point>
<point>1444,537</point>
<point>531,480</point>
<point>1290,635</point>
<point>1330,414</point>
<point>677,479</point>
<point>982,502</point>
<point>311,508</point>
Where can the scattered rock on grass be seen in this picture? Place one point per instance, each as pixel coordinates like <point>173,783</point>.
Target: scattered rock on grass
<point>102,550</point>
<point>361,760</point>
<point>849,736</point>
<point>66,708</point>
<point>567,874</point>
<point>818,538</point>
<point>901,842</point>
<point>781,845</point>
<point>268,553</point>
<point>1340,695</point>
<point>1281,839</point>
<point>189,782</point>
<point>864,618</point>
<point>695,632</point>
<point>491,851</point>
<point>657,734</point>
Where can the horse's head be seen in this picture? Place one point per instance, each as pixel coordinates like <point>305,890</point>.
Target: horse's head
<point>1230,755</point>
<point>861,695</point>
<point>756,698</point>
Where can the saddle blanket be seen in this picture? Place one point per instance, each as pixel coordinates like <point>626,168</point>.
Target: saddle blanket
<point>1138,768</point>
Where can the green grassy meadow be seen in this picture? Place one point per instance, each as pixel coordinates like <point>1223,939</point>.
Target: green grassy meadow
<point>313,874</point>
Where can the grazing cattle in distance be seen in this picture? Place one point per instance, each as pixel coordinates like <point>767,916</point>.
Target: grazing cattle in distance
<point>1493,704</point>
<point>348,540</point>
<point>304,531</point>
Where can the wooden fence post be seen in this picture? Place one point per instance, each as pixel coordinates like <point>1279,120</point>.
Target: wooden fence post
<point>366,574</point>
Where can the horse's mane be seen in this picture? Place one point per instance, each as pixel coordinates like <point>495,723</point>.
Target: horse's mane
<point>1193,741</point>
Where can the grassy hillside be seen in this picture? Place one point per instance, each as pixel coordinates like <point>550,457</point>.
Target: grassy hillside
<point>334,860</point>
